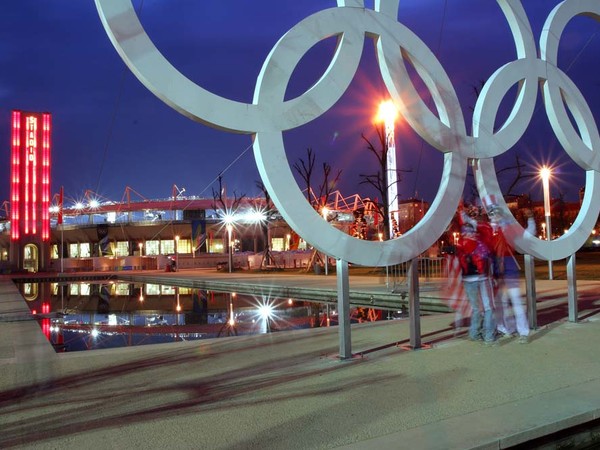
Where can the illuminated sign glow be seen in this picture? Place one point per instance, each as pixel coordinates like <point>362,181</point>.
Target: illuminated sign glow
<point>30,175</point>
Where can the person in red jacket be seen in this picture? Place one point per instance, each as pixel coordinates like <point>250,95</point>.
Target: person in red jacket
<point>474,257</point>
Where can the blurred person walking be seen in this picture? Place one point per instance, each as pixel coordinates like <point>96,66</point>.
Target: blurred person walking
<point>511,312</point>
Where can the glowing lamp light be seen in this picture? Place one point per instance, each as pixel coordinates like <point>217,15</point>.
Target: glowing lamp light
<point>387,112</point>
<point>255,216</point>
<point>95,333</point>
<point>78,205</point>
<point>94,203</point>
<point>265,311</point>
<point>545,173</point>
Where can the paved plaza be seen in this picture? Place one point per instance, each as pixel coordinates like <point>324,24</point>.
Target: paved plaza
<point>289,390</point>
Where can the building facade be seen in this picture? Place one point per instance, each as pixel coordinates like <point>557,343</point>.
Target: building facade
<point>30,190</point>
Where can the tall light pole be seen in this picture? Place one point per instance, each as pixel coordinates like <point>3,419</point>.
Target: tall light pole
<point>229,227</point>
<point>545,173</point>
<point>140,245</point>
<point>387,114</point>
<point>325,212</point>
<point>176,252</point>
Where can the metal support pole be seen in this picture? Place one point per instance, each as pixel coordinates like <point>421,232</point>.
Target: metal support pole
<point>530,291</point>
<point>414,308</point>
<point>343,291</point>
<point>548,238</point>
<point>572,289</point>
<point>62,251</point>
<point>229,247</point>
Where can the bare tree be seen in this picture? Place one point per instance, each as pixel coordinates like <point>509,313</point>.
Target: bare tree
<point>518,175</point>
<point>305,169</point>
<point>329,179</point>
<point>224,206</point>
<point>221,202</point>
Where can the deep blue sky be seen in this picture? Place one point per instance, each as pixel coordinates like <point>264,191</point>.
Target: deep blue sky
<point>111,132</point>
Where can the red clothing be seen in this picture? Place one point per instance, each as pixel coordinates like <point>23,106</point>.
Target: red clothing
<point>473,255</point>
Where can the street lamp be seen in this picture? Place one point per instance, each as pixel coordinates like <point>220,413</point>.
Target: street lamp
<point>325,212</point>
<point>229,227</point>
<point>545,174</point>
<point>176,252</point>
<point>140,245</point>
<point>387,114</point>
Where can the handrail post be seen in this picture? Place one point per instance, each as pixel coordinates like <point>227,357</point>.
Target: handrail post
<point>343,300</point>
<point>414,310</point>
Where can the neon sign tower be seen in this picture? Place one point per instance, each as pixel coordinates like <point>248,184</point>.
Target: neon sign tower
<point>30,188</point>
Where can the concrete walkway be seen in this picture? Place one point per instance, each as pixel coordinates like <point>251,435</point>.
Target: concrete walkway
<point>290,391</point>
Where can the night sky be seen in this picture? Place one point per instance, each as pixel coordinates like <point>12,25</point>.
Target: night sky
<point>110,132</point>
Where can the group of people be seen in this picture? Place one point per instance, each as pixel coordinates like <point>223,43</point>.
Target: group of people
<point>490,273</point>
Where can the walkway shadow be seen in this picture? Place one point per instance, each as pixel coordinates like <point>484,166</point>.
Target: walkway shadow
<point>152,388</point>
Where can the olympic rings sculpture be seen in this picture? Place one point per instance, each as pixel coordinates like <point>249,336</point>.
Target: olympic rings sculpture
<point>269,114</point>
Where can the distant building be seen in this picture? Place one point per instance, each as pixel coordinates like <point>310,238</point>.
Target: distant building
<point>410,212</point>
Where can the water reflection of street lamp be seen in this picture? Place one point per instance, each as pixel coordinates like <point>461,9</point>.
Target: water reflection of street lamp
<point>545,174</point>
<point>387,114</point>
<point>231,320</point>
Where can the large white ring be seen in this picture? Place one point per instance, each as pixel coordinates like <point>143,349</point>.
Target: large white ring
<point>270,114</point>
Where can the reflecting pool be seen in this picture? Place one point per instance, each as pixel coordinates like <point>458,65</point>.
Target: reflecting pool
<point>91,315</point>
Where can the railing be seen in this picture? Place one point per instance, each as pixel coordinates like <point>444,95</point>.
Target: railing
<point>428,268</point>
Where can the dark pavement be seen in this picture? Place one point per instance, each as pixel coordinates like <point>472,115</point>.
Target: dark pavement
<point>289,390</point>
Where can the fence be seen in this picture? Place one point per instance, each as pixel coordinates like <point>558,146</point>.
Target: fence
<point>428,268</point>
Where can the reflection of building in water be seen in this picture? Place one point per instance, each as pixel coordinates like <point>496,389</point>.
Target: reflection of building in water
<point>87,315</point>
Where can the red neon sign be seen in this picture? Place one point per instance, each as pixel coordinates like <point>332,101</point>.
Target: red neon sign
<point>46,177</point>
<point>14,175</point>
<point>30,174</point>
